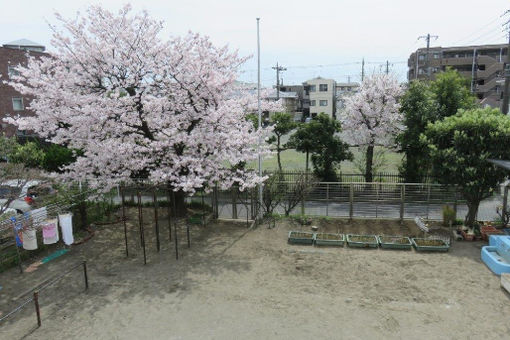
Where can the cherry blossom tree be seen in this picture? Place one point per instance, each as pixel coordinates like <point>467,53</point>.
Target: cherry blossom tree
<point>137,106</point>
<point>372,117</point>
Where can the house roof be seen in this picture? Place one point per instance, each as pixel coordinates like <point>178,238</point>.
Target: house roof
<point>23,42</point>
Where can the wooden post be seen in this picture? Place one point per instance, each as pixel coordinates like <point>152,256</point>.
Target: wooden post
<point>37,309</point>
<point>85,276</point>
<point>215,205</point>
<point>142,232</point>
<point>187,234</point>
<point>351,200</point>
<point>402,201</point>
<point>124,218</point>
<point>156,225</point>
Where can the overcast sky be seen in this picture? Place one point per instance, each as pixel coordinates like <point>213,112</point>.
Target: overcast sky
<point>310,38</point>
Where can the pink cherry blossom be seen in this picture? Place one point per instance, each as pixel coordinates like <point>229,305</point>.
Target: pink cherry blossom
<point>136,104</point>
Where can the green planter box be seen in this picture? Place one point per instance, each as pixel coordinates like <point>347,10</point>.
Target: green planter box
<point>422,244</point>
<point>300,237</point>
<point>325,239</point>
<point>394,242</point>
<point>362,241</point>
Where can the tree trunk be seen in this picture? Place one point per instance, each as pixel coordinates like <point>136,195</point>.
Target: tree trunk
<point>82,208</point>
<point>278,150</point>
<point>306,166</point>
<point>368,165</point>
<point>180,204</point>
<point>472,212</point>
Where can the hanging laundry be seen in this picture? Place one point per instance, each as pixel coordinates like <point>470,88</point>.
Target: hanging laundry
<point>50,231</point>
<point>17,227</point>
<point>29,239</point>
<point>66,224</point>
<point>39,216</point>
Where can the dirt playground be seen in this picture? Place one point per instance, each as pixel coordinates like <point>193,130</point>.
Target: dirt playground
<point>240,283</point>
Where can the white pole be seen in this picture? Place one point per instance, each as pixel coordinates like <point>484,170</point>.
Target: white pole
<point>260,115</point>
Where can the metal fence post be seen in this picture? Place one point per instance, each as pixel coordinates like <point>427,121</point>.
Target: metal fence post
<point>505,202</point>
<point>351,200</point>
<point>428,199</point>
<point>123,200</point>
<point>402,201</point>
<point>327,198</point>
<point>37,309</point>
<point>455,202</point>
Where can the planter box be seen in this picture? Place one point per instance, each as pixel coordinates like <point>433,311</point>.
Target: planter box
<point>362,241</point>
<point>467,237</point>
<point>394,242</point>
<point>325,239</point>
<point>422,244</point>
<point>300,237</point>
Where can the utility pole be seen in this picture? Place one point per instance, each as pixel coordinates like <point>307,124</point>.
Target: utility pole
<point>427,38</point>
<point>278,69</point>
<point>387,67</point>
<point>362,69</point>
<point>506,91</point>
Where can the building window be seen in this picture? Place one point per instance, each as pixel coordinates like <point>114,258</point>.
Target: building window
<point>421,57</point>
<point>312,88</point>
<point>323,103</point>
<point>11,71</point>
<point>17,104</point>
<point>312,102</point>
<point>323,87</point>
<point>436,55</point>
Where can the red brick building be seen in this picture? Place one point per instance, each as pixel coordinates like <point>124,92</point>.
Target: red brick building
<point>12,103</point>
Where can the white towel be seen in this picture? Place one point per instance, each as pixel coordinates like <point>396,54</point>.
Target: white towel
<point>66,224</point>
<point>29,239</point>
<point>50,231</point>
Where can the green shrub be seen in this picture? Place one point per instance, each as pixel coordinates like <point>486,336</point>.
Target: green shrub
<point>448,216</point>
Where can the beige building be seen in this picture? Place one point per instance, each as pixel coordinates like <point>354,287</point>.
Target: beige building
<point>321,93</point>
<point>482,65</point>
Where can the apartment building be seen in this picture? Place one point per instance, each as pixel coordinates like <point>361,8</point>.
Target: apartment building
<point>322,96</point>
<point>12,103</point>
<point>481,65</point>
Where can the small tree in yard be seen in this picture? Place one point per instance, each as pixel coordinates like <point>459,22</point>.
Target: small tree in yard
<point>282,125</point>
<point>319,137</point>
<point>460,146</point>
<point>372,117</point>
<point>137,106</point>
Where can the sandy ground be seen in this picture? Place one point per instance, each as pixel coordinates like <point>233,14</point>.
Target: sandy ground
<point>236,283</point>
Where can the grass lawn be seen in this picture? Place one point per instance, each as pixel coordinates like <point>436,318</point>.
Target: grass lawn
<point>293,160</point>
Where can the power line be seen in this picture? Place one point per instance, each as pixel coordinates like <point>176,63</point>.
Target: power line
<point>477,31</point>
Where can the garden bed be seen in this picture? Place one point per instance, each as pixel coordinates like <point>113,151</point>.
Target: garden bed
<point>422,244</point>
<point>362,241</point>
<point>325,239</point>
<point>300,237</point>
<point>394,242</point>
